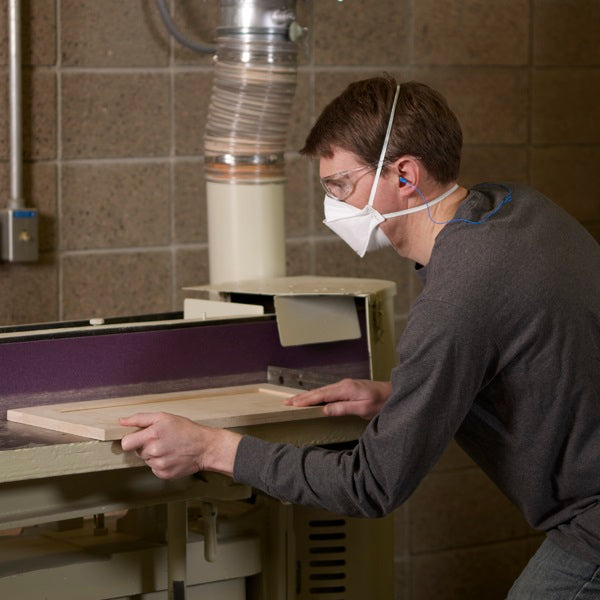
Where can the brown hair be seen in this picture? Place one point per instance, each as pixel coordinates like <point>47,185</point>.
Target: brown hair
<point>424,126</point>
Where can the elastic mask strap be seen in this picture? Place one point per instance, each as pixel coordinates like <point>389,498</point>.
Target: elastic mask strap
<point>384,149</point>
<point>424,206</point>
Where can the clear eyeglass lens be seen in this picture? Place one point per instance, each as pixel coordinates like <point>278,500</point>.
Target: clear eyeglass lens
<point>338,188</point>
<point>340,185</point>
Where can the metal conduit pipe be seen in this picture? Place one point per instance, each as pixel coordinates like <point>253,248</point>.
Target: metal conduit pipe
<point>18,225</point>
<point>15,100</point>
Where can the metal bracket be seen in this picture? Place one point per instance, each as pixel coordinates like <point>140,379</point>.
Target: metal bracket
<point>304,380</point>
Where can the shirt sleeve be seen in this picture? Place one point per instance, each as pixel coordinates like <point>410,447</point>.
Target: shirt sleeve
<point>444,359</point>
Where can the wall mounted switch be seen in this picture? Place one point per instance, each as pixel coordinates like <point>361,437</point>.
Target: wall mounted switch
<point>19,234</point>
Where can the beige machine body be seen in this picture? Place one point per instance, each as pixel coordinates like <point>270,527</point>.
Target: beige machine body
<point>81,519</point>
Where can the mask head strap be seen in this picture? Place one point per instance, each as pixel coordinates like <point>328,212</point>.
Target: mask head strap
<point>384,149</point>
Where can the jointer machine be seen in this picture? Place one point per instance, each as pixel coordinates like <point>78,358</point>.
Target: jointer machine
<point>82,520</point>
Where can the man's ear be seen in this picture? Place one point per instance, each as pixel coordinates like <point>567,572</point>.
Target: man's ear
<point>408,172</point>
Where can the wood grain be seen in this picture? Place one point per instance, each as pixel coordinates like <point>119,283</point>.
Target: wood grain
<point>236,406</point>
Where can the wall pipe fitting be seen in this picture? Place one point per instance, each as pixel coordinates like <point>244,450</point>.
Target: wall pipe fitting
<point>166,18</point>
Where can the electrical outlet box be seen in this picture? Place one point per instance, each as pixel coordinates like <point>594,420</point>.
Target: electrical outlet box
<point>19,235</point>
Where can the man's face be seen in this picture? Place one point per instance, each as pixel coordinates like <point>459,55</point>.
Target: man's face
<point>347,179</point>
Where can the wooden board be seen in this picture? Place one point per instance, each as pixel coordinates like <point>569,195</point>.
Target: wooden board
<point>217,407</point>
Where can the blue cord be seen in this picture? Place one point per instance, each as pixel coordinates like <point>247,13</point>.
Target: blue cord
<point>505,200</point>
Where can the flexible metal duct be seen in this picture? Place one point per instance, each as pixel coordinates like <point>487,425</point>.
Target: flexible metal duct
<point>254,86</point>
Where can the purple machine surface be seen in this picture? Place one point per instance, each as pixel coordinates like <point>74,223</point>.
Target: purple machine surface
<point>127,361</point>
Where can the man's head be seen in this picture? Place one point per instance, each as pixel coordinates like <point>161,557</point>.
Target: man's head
<point>423,127</point>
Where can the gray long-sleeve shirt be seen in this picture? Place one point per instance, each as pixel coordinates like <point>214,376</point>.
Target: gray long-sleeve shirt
<point>501,351</point>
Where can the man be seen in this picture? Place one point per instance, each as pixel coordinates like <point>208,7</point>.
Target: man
<point>501,349</point>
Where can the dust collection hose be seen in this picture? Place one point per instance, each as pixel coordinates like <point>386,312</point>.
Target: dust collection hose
<point>244,140</point>
<point>253,90</point>
<point>250,108</point>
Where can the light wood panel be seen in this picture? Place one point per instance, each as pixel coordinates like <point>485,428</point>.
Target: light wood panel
<point>236,406</point>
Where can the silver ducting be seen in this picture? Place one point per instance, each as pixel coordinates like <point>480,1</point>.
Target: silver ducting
<point>250,107</point>
<point>256,17</point>
<point>253,90</point>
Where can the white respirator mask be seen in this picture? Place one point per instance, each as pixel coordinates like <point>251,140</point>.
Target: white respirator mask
<point>359,227</point>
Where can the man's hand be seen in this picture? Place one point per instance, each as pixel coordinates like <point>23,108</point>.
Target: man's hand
<point>174,446</point>
<point>361,397</point>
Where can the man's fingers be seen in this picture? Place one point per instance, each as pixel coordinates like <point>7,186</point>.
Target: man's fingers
<point>329,393</point>
<point>335,409</point>
<point>305,399</point>
<point>339,409</point>
<point>363,398</point>
<point>133,441</point>
<point>138,420</point>
<point>137,439</point>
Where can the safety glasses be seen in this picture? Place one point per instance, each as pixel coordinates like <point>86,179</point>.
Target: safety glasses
<point>341,185</point>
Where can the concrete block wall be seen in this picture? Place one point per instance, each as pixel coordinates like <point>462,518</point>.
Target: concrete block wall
<point>114,118</point>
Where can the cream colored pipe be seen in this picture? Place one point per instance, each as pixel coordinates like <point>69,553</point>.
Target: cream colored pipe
<point>245,231</point>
